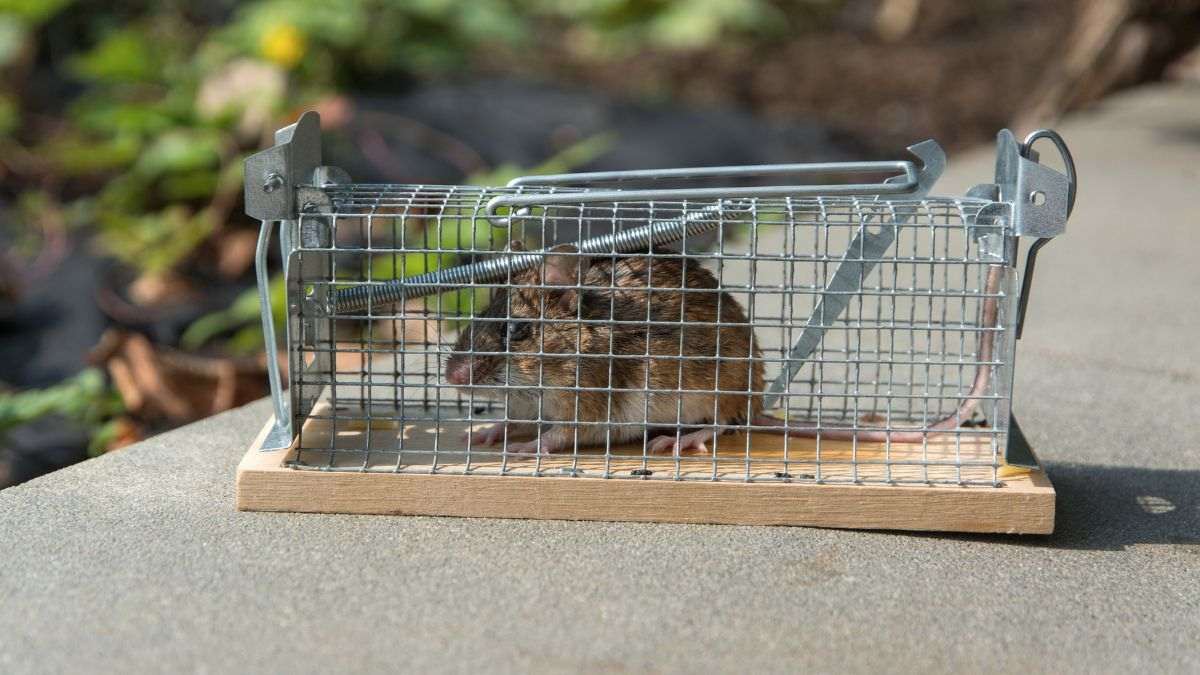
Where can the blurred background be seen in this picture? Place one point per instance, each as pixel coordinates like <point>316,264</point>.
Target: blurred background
<point>126,283</point>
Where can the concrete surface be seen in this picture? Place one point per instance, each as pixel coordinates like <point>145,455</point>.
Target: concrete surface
<point>137,561</point>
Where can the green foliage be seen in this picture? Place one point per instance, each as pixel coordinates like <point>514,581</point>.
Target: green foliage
<point>166,102</point>
<point>127,55</point>
<point>607,29</point>
<point>32,12</point>
<point>168,107</point>
<point>180,151</point>
<point>154,242</point>
<point>565,160</point>
<point>243,314</point>
<point>85,399</point>
<point>10,115</point>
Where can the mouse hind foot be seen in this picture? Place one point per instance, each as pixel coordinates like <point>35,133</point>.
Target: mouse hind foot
<point>695,441</point>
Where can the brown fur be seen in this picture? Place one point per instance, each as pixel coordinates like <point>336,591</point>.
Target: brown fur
<point>637,355</point>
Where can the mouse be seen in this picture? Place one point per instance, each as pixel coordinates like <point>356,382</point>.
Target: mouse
<point>591,346</point>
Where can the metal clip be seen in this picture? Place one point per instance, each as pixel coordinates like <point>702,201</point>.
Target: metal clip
<point>1047,219</point>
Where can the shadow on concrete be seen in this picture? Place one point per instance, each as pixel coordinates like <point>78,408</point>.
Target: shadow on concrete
<point>1181,133</point>
<point>1114,507</point>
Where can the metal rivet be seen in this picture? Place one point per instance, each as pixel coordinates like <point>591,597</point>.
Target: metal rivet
<point>272,182</point>
<point>1037,197</point>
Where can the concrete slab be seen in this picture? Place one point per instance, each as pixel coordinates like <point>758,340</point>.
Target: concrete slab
<point>137,561</point>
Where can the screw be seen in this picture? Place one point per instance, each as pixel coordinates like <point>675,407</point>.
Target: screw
<point>272,182</point>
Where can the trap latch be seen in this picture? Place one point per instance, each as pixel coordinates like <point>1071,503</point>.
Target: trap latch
<point>275,193</point>
<point>1042,198</point>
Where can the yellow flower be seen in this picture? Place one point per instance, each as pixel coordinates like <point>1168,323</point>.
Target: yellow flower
<point>283,44</point>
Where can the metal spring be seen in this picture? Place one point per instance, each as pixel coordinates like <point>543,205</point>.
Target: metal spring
<point>640,238</point>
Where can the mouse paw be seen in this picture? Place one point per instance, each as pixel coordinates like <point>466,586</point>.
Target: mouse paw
<point>530,448</point>
<point>486,436</point>
<point>696,441</point>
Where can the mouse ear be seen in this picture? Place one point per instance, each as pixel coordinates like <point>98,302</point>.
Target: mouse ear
<point>516,245</point>
<point>564,266</point>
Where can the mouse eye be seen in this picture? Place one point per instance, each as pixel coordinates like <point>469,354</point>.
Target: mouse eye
<point>519,330</point>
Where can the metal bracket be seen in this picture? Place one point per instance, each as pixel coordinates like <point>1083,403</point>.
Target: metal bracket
<point>272,175</point>
<point>1040,195</point>
<point>1024,182</point>
<point>1019,452</point>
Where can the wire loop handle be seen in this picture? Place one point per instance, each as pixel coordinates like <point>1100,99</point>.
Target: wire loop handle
<point>1064,152</point>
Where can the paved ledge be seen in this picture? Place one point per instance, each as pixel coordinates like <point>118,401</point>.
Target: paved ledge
<point>137,560</point>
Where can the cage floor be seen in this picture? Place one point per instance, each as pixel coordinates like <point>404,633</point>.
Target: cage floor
<point>439,446</point>
<point>588,486</point>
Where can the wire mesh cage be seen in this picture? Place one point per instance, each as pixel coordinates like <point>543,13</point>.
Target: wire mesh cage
<point>607,325</point>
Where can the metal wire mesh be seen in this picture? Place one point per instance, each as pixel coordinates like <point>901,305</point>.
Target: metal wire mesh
<point>606,361</point>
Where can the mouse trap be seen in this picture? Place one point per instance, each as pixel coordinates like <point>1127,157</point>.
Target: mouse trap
<point>795,344</point>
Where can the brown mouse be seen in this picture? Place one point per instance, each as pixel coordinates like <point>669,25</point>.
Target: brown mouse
<point>591,346</point>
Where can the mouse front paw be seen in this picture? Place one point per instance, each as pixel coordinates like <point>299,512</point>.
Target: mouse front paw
<point>490,435</point>
<point>494,434</point>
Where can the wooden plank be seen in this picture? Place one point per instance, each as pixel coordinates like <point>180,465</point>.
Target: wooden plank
<point>1023,504</point>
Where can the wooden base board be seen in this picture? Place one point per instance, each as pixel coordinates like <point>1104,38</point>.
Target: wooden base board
<point>1024,504</point>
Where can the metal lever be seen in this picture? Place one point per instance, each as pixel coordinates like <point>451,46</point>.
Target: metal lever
<point>904,181</point>
<point>691,223</point>
<point>859,260</point>
<point>1027,152</point>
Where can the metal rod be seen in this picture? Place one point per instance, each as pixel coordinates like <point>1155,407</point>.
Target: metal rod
<point>589,178</point>
<point>640,238</point>
<point>268,323</point>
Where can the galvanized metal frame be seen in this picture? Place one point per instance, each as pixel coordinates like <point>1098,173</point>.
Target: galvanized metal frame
<point>286,184</point>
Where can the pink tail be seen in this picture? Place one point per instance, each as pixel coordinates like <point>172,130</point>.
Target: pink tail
<point>963,413</point>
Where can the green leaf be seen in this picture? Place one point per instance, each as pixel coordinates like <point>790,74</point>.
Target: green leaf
<point>125,55</point>
<point>10,116</point>
<point>567,159</point>
<point>179,150</point>
<point>13,35</point>
<point>100,114</point>
<point>154,243</point>
<point>199,184</point>
<point>242,316</point>
<point>85,398</point>
<point>33,12</point>
<point>74,154</point>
